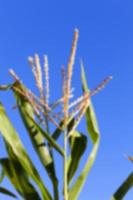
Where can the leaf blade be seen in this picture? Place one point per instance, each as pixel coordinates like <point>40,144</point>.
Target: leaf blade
<point>78,144</point>
<point>7,192</point>
<point>124,188</point>
<point>48,138</point>
<point>19,178</point>
<point>93,132</point>
<point>13,140</point>
<point>37,138</point>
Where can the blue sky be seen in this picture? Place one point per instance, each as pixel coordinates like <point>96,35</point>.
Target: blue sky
<point>106,47</point>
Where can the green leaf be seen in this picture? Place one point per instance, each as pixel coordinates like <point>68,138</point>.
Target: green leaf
<point>25,188</point>
<point>11,137</point>
<point>2,175</point>
<point>17,175</point>
<point>38,128</point>
<point>91,120</point>
<point>78,143</point>
<point>93,132</point>
<point>47,137</point>
<point>7,192</point>
<point>58,131</point>
<point>124,188</point>
<point>37,138</point>
<point>19,179</point>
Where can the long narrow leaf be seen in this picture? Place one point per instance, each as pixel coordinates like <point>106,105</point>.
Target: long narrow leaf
<point>11,137</point>
<point>78,143</point>
<point>37,138</point>
<point>27,190</point>
<point>37,129</point>
<point>2,175</point>
<point>47,137</point>
<point>124,188</point>
<point>56,134</point>
<point>7,192</point>
<point>58,131</point>
<point>19,179</point>
<point>93,132</point>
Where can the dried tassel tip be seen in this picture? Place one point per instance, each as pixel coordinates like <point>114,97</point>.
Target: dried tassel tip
<point>69,76</point>
<point>46,72</point>
<point>5,87</point>
<point>38,75</point>
<point>31,63</point>
<point>76,110</point>
<point>101,86</point>
<point>79,100</point>
<point>72,59</point>
<point>63,73</point>
<point>14,75</point>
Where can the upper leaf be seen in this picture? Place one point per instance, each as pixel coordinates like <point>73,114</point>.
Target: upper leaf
<point>78,144</point>
<point>93,132</point>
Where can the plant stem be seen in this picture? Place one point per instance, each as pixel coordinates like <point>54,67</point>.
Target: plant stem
<point>65,166</point>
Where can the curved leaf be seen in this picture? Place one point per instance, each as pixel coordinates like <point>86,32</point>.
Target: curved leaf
<point>78,143</point>
<point>124,188</point>
<point>11,137</point>
<point>58,131</point>
<point>93,132</point>
<point>37,138</point>
<point>37,129</point>
<point>19,179</point>
<point>7,192</point>
<point>46,136</point>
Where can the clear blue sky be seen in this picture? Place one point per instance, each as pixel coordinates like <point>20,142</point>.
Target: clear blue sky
<point>106,47</point>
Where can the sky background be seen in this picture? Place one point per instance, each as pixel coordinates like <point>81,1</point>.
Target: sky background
<point>106,47</point>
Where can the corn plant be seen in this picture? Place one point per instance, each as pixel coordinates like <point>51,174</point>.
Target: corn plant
<point>37,115</point>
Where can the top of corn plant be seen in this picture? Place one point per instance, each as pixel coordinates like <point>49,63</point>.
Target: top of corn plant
<point>37,114</point>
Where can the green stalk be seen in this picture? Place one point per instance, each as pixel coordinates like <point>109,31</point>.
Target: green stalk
<point>65,166</point>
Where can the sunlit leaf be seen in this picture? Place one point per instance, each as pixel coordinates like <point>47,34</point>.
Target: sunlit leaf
<point>19,179</point>
<point>36,136</point>
<point>11,137</point>
<point>93,132</point>
<point>37,128</point>
<point>47,136</point>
